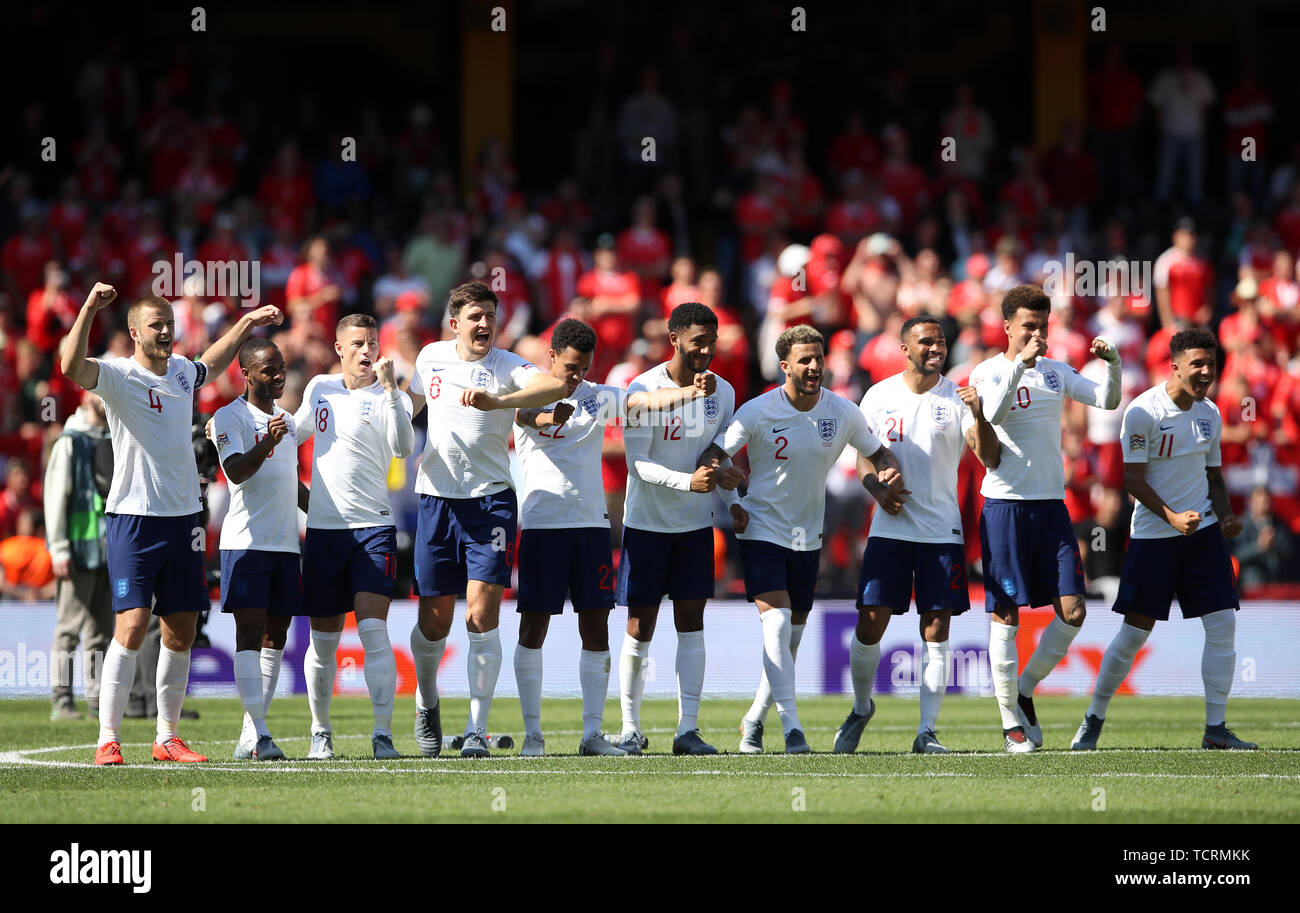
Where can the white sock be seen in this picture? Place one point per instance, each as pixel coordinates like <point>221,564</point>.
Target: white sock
<point>631,681</point>
<point>248,682</point>
<point>763,696</point>
<point>428,657</point>
<point>320,664</point>
<point>593,673</point>
<point>1003,661</point>
<point>484,665</point>
<point>690,679</point>
<point>864,659</point>
<point>116,678</point>
<point>270,659</point>
<point>1218,662</point>
<point>528,676</point>
<point>934,682</point>
<point>173,676</point>
<point>1051,649</point>
<point>778,665</point>
<point>1115,664</point>
<point>380,670</point>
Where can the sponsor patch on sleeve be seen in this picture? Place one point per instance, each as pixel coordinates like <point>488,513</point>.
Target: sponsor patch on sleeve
<point>1137,442</point>
<point>223,441</point>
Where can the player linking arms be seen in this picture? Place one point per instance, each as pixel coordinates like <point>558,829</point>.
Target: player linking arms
<point>361,422</point>
<point>155,542</point>
<point>260,576</point>
<point>1172,466</point>
<point>794,434</point>
<point>465,534</point>
<point>1030,553</point>
<point>564,543</point>
<point>668,527</point>
<point>925,420</point>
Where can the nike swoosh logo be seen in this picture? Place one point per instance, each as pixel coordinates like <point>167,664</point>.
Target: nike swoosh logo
<point>1163,428</point>
<point>779,430</point>
<point>890,411</point>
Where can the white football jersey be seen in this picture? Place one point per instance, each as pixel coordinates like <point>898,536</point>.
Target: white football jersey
<point>466,453</point>
<point>349,466</point>
<point>663,453</point>
<point>927,432</point>
<point>1177,447</point>
<point>563,487</point>
<point>263,511</point>
<point>149,418</point>
<point>1031,467</point>
<point>790,455</point>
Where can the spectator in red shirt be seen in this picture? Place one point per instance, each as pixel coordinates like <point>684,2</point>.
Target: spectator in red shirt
<point>732,360</point>
<point>1157,356</point>
<point>857,214</point>
<point>51,309</point>
<point>149,246</point>
<point>98,162</point>
<point>567,209</point>
<point>286,190</point>
<point>565,263</point>
<point>805,200</point>
<point>314,288</point>
<point>1071,175</point>
<point>69,216</point>
<point>25,255</point>
<point>200,185</point>
<point>902,181</point>
<point>1184,282</point>
<point>1287,222</point>
<point>681,290</point>
<point>222,245</point>
<point>1279,302</point>
<point>615,298</point>
<point>757,213</point>
<point>16,496</point>
<point>644,249</point>
<point>1247,112</point>
<point>1027,191</point>
<point>853,148</point>
<point>1115,99</point>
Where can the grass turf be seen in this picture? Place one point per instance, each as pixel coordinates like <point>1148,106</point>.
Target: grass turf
<point>1150,769</point>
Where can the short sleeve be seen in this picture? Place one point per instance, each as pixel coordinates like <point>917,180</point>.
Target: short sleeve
<point>611,402</point>
<point>228,434</point>
<point>111,381</point>
<point>416,385</point>
<point>521,372</point>
<point>1214,458</point>
<point>735,436</point>
<point>303,425</point>
<point>1135,434</point>
<point>963,411</point>
<point>861,437</point>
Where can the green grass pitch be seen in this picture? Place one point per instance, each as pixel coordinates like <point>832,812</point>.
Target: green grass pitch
<point>1150,769</point>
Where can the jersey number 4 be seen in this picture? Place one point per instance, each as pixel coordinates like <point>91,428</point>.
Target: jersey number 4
<point>154,402</point>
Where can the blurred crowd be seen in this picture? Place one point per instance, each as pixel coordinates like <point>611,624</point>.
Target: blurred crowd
<point>746,215</point>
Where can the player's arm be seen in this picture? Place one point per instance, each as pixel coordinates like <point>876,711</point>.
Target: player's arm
<point>541,390</point>
<point>881,475</point>
<point>83,371</point>
<point>997,394</point>
<point>398,427</point>
<point>666,399</point>
<point>639,464</point>
<point>1135,481</point>
<point>304,495</point>
<point>544,418</point>
<point>1104,395</point>
<point>240,467</point>
<point>1228,521</point>
<point>222,352</point>
<point>981,437</point>
<point>304,422</point>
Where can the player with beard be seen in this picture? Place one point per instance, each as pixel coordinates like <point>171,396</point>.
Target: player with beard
<point>362,422</point>
<point>153,534</point>
<point>668,526</point>
<point>794,433</point>
<point>916,542</point>
<point>260,574</point>
<point>1176,545</point>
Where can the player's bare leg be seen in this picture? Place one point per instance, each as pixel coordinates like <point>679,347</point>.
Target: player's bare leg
<point>483,660</point>
<point>380,668</point>
<point>320,667</point>
<point>178,631</point>
<point>1053,644</point>
<point>864,660</point>
<point>751,726</point>
<point>428,641</point>
<point>632,664</point>
<point>257,668</point>
<point>1115,666</point>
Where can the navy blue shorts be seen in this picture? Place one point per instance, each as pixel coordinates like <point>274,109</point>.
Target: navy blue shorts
<point>1194,568</point>
<point>891,567</point>
<point>654,565</point>
<point>769,567</point>
<point>1030,553</point>
<point>554,563</point>
<point>339,563</point>
<point>253,579</point>
<point>156,558</point>
<point>463,539</point>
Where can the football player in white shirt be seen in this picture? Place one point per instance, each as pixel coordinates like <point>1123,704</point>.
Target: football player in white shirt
<point>260,573</point>
<point>564,538</point>
<point>925,420</point>
<point>668,527</point>
<point>794,434</point>
<point>155,542</point>
<point>362,421</point>
<point>1030,554</point>
<point>465,534</point>
<point>1176,544</point>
